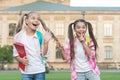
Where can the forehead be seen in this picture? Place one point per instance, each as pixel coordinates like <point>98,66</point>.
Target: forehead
<point>34,14</point>
<point>80,24</point>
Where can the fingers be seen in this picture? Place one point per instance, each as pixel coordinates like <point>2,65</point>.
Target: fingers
<point>25,60</point>
<point>47,36</point>
<point>79,34</point>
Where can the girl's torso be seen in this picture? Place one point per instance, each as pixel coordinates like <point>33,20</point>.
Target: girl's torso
<point>81,61</point>
<point>32,48</point>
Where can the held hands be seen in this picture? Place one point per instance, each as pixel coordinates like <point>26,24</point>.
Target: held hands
<point>58,44</point>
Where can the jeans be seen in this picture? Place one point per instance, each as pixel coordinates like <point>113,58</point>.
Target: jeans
<point>89,75</point>
<point>38,76</point>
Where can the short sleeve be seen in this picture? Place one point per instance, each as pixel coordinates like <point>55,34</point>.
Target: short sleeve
<point>15,53</point>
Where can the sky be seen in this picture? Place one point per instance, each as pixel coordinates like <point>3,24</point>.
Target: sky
<point>96,3</point>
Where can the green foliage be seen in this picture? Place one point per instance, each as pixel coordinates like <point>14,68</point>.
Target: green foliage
<point>6,54</point>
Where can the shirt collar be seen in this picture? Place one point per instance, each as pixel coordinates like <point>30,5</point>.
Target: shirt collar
<point>35,35</point>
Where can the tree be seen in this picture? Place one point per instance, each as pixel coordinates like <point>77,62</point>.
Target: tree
<point>6,54</point>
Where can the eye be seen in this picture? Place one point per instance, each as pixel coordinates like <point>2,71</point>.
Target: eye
<point>33,18</point>
<point>38,19</point>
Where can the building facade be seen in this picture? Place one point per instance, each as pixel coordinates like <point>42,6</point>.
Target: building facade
<point>105,21</point>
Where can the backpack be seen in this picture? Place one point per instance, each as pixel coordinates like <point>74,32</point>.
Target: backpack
<point>88,39</point>
<point>39,34</point>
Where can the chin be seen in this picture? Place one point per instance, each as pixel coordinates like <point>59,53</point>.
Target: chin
<point>34,29</point>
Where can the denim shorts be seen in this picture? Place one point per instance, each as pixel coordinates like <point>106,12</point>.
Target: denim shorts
<point>89,75</point>
<point>38,76</point>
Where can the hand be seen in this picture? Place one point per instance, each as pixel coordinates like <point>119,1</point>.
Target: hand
<point>81,36</point>
<point>58,44</point>
<point>25,61</point>
<point>47,37</point>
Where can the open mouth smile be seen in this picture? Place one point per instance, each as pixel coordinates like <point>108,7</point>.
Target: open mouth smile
<point>35,24</point>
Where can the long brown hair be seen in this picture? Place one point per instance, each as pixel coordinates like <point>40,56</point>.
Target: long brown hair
<point>26,16</point>
<point>21,21</point>
<point>71,37</point>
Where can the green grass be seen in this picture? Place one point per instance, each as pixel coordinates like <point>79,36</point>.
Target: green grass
<point>58,76</point>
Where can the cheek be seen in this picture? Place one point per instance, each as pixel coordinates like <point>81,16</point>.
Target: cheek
<point>76,30</point>
<point>85,30</point>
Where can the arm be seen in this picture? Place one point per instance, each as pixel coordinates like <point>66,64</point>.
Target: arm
<point>22,60</point>
<point>45,49</point>
<point>87,49</point>
<point>81,38</point>
<point>47,38</point>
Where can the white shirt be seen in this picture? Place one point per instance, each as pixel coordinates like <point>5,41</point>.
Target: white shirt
<point>32,48</point>
<point>81,62</point>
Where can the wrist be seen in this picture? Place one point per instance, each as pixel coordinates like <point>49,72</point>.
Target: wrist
<point>45,42</point>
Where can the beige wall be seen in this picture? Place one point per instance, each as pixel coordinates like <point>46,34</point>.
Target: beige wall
<point>66,18</point>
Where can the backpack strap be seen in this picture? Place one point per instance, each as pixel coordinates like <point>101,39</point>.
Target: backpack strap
<point>39,34</point>
<point>88,39</point>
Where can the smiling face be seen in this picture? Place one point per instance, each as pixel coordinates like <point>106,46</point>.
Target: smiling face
<point>33,21</point>
<point>80,28</point>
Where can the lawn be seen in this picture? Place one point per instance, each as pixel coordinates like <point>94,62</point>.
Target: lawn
<point>58,76</point>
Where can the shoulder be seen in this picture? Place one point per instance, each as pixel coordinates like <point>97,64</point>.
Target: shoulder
<point>38,32</point>
<point>18,35</point>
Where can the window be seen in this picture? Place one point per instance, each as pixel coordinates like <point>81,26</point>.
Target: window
<point>108,52</point>
<point>60,28</point>
<point>107,29</point>
<point>12,27</point>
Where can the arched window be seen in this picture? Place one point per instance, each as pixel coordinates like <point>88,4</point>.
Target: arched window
<point>12,27</point>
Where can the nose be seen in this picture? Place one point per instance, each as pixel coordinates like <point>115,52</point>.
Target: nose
<point>37,21</point>
<point>80,29</point>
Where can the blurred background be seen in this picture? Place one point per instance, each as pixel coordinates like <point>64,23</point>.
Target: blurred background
<point>58,14</point>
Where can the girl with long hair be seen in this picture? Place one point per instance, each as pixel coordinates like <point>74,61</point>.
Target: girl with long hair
<point>35,44</point>
<point>80,50</point>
